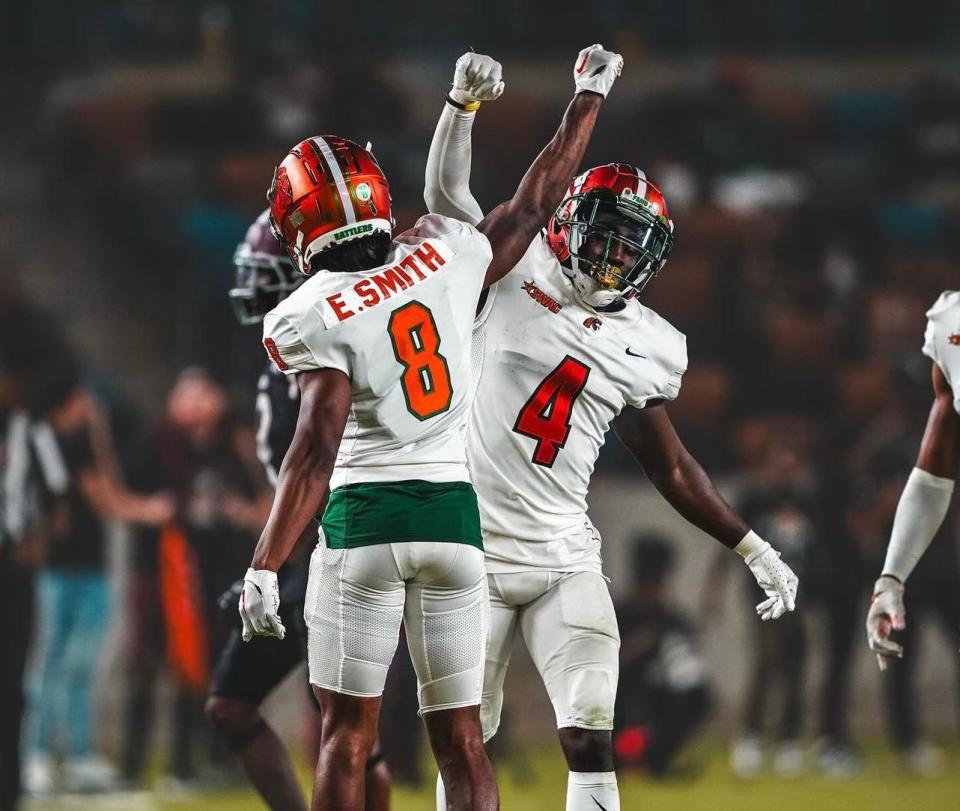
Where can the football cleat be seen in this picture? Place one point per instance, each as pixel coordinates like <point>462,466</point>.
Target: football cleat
<point>326,192</point>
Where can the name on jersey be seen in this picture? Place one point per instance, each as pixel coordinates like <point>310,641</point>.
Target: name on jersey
<point>542,298</point>
<point>383,285</point>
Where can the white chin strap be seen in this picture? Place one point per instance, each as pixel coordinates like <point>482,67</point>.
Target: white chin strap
<point>590,292</point>
<point>588,289</point>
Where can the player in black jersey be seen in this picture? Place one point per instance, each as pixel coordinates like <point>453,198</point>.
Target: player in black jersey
<point>247,672</point>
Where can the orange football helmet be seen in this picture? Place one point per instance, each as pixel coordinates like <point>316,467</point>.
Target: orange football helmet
<point>326,192</point>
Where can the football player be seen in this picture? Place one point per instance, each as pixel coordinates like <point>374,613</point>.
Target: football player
<point>928,492</point>
<point>562,345</point>
<point>246,674</point>
<point>379,337</point>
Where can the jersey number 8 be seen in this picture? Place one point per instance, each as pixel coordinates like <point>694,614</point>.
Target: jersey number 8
<point>426,377</point>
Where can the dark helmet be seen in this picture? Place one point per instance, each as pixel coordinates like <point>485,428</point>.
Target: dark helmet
<point>264,273</point>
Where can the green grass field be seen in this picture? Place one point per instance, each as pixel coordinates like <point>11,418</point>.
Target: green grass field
<point>880,785</point>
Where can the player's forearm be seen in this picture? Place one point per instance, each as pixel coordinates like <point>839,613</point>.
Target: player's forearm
<point>542,188</point>
<point>689,490</point>
<point>302,491</point>
<point>446,188</point>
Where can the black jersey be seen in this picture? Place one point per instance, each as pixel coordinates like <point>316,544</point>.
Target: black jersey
<point>278,404</point>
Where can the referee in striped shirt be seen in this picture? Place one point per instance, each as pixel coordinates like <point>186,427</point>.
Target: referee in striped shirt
<point>32,476</point>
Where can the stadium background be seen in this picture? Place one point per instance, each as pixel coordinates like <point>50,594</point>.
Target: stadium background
<point>810,153</point>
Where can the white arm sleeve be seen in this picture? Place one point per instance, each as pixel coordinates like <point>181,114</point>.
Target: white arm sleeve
<point>922,508</point>
<point>446,188</point>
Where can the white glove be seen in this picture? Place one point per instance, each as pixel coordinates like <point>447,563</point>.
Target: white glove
<point>477,78</point>
<point>773,575</point>
<point>260,604</point>
<point>596,70</point>
<point>886,614</point>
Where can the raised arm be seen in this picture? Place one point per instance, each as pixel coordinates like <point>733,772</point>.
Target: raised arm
<point>650,437</point>
<point>303,486</point>
<point>512,225</point>
<point>446,188</point>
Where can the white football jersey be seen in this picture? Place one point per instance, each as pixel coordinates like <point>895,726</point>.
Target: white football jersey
<point>941,343</point>
<point>552,375</point>
<point>402,333</point>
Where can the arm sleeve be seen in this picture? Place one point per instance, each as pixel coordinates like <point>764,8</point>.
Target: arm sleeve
<point>923,506</point>
<point>446,188</point>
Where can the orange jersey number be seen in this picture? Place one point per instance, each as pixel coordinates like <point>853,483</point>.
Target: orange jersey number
<point>426,378</point>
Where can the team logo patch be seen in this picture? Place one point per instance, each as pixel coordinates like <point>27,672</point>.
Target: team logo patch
<point>281,190</point>
<point>274,353</point>
<point>593,323</point>
<point>542,298</point>
<point>955,339</point>
<point>364,192</point>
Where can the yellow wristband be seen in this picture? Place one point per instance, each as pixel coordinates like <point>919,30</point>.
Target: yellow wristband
<point>469,107</point>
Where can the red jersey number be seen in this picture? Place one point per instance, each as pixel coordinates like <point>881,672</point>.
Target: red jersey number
<point>545,417</point>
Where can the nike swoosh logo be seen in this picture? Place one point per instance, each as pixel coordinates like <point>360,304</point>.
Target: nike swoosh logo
<point>602,808</point>
<point>635,354</point>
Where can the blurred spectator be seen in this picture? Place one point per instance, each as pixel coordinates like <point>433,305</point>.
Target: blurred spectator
<point>73,601</point>
<point>210,464</point>
<point>781,503</point>
<point>663,696</point>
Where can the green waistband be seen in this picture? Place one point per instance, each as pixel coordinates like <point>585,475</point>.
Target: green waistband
<point>371,513</point>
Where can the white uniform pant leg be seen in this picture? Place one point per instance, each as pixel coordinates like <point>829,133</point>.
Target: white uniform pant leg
<point>503,631</point>
<point>353,610</point>
<point>446,620</point>
<point>571,633</point>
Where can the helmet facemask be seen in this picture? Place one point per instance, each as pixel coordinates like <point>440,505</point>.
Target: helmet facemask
<point>617,244</point>
<point>262,282</point>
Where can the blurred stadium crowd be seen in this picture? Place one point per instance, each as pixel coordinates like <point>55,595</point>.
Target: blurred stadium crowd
<point>815,183</point>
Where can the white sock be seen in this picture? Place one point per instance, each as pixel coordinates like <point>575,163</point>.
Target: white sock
<point>592,791</point>
<point>441,795</point>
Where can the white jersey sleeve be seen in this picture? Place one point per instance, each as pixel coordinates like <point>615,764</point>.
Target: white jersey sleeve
<point>666,351</point>
<point>941,341</point>
<point>298,343</point>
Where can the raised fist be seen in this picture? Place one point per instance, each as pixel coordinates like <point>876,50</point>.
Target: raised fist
<point>596,70</point>
<point>477,78</point>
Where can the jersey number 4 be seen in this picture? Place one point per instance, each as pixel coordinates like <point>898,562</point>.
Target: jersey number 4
<point>426,377</point>
<point>545,417</point>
